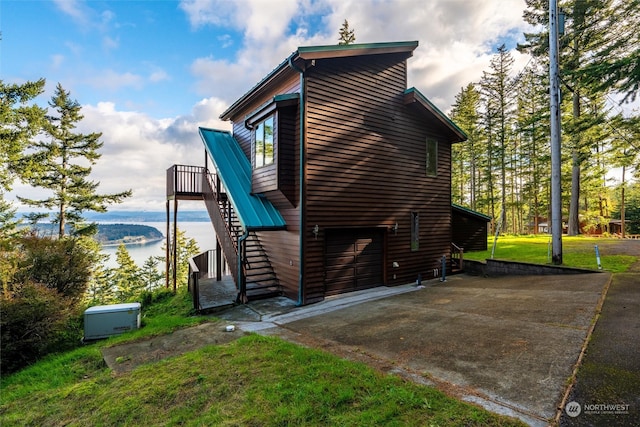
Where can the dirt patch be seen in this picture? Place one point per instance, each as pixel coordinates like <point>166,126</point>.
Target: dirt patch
<point>125,357</point>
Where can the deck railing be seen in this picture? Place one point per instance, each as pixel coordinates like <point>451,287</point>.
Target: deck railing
<point>184,179</point>
<point>201,266</point>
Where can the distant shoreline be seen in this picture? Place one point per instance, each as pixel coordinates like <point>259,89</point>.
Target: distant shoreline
<point>134,242</point>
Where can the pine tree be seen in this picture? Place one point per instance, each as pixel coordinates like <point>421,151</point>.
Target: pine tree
<point>497,89</point>
<point>63,158</point>
<point>465,156</point>
<point>347,35</point>
<point>126,276</point>
<point>614,64</point>
<point>151,277</point>
<point>19,123</point>
<point>533,127</point>
<point>187,248</point>
<point>583,35</point>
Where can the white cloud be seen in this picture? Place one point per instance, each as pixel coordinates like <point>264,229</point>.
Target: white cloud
<point>158,76</point>
<point>210,12</point>
<point>457,38</point>
<point>57,61</point>
<point>109,43</point>
<point>113,80</point>
<point>76,9</point>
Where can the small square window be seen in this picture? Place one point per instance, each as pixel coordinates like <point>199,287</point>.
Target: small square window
<point>432,157</point>
<point>264,142</point>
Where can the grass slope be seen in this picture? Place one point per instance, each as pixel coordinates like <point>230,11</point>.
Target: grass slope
<point>577,251</point>
<point>252,381</point>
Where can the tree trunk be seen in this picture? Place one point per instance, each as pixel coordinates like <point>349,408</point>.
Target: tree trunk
<point>574,221</point>
<point>622,205</point>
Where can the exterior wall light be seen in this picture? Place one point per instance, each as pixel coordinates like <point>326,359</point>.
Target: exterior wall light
<point>394,227</point>
<point>316,231</point>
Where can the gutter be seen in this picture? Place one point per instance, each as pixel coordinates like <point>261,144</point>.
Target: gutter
<point>242,294</point>
<point>302,182</point>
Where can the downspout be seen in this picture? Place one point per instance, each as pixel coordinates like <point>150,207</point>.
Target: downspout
<point>302,182</point>
<point>242,284</point>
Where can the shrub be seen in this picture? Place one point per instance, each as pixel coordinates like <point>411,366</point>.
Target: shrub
<point>60,264</point>
<point>36,320</point>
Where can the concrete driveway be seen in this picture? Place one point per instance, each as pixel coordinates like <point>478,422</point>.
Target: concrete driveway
<point>509,344</point>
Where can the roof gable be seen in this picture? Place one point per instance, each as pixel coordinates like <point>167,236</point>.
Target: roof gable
<point>311,53</point>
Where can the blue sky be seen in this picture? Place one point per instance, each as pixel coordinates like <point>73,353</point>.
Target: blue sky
<point>148,73</point>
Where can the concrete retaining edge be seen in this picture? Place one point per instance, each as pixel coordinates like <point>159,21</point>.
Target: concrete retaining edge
<point>497,267</point>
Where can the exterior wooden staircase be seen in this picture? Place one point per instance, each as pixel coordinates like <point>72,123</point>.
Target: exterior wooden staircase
<point>258,280</point>
<point>248,262</point>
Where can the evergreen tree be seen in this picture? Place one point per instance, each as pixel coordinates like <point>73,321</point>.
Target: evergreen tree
<point>615,61</point>
<point>347,35</point>
<point>497,89</point>
<point>533,126</point>
<point>126,276</point>
<point>19,123</point>
<point>465,156</point>
<point>583,36</point>
<point>150,275</point>
<point>63,159</point>
<point>186,248</point>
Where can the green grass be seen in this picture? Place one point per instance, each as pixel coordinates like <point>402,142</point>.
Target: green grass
<point>577,251</point>
<point>255,380</point>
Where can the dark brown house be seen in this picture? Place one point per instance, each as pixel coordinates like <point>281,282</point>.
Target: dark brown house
<point>337,177</point>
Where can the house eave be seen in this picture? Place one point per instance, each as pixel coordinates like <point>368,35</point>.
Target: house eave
<point>344,51</point>
<point>412,96</point>
<point>310,53</point>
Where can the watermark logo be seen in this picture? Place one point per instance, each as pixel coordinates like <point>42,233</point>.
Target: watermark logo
<point>573,409</point>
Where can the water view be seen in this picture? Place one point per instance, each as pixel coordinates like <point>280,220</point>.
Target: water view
<point>202,232</point>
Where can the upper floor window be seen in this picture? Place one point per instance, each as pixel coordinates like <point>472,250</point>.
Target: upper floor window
<point>264,142</point>
<point>432,157</point>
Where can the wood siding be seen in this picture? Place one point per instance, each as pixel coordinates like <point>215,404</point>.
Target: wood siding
<point>282,247</point>
<point>469,232</point>
<point>366,154</point>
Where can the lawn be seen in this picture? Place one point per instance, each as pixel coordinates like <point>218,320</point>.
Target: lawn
<point>255,380</point>
<point>577,251</point>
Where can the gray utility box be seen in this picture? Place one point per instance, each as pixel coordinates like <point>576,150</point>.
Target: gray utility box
<point>103,321</point>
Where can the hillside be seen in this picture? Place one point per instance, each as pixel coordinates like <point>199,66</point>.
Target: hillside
<point>114,234</point>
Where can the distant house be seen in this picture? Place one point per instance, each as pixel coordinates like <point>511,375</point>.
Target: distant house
<point>336,177</point>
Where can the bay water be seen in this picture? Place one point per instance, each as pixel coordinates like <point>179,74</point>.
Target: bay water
<point>202,232</point>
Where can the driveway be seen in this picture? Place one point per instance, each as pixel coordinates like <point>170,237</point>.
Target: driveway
<point>509,344</point>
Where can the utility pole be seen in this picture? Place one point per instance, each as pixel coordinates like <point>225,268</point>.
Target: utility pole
<point>554,92</point>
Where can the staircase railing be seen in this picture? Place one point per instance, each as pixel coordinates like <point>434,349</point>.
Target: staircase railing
<point>457,257</point>
<point>221,217</point>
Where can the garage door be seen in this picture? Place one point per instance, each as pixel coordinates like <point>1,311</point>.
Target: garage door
<point>353,260</point>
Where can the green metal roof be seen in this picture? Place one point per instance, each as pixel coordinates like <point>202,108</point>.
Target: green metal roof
<point>413,95</point>
<point>342,50</point>
<point>325,51</point>
<point>471,212</point>
<point>234,169</point>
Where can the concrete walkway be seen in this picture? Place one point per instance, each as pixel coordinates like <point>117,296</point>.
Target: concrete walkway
<point>509,344</point>
<point>607,387</point>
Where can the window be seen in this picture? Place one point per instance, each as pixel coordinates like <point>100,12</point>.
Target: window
<point>264,142</point>
<point>415,231</point>
<point>432,157</point>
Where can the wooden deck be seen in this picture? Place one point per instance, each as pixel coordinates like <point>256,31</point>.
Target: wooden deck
<point>217,294</point>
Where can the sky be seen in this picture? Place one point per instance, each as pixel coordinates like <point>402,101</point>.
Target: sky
<point>149,73</point>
